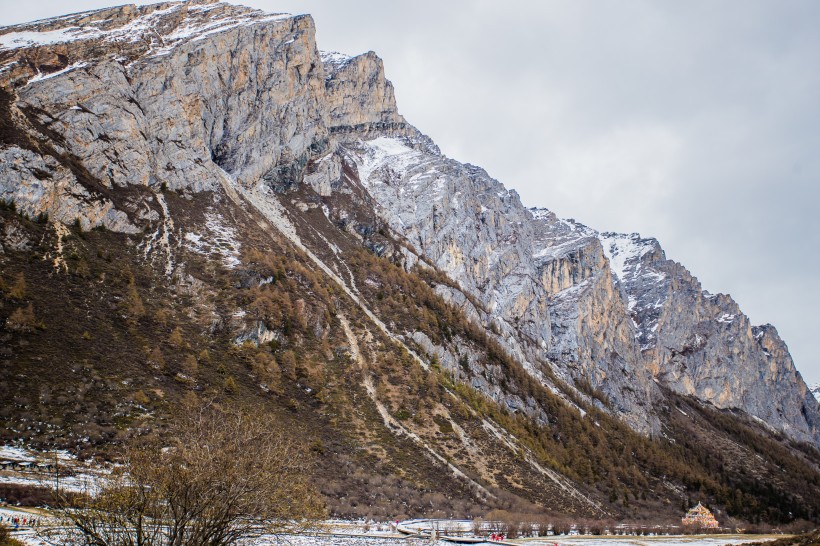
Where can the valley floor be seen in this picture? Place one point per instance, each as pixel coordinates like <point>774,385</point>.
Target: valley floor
<point>667,540</point>
<point>699,540</point>
<point>343,533</point>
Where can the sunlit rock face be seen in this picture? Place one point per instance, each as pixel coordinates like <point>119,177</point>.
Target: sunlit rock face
<point>187,95</point>
<point>166,95</point>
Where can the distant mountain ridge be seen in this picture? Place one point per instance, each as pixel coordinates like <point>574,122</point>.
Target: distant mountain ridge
<point>195,187</point>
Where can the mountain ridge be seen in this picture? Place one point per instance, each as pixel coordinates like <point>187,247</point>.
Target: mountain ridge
<point>391,268</point>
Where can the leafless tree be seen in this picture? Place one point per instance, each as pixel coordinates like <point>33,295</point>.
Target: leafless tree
<point>223,476</point>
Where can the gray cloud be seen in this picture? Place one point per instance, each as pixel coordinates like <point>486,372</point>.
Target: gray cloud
<point>693,122</point>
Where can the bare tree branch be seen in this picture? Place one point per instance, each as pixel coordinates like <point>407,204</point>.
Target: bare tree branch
<point>225,475</point>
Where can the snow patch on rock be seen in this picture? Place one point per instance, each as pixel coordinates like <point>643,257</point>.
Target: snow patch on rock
<point>624,252</point>
<point>386,152</point>
<point>146,30</point>
<point>219,239</point>
<point>334,61</point>
<point>69,68</point>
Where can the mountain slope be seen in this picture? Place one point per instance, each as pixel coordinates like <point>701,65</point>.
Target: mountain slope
<point>199,204</point>
<point>619,313</point>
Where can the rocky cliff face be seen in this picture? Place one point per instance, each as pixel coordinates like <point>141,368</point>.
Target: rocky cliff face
<point>360,99</point>
<point>548,304</point>
<point>161,95</point>
<point>619,314</point>
<point>202,96</point>
<point>701,344</point>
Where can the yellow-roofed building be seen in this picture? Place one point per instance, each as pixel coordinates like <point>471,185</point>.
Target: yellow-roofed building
<point>700,516</point>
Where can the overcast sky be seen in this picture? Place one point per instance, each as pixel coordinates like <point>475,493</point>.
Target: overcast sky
<point>694,122</point>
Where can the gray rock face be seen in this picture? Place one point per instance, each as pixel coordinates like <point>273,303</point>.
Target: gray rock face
<point>40,185</point>
<point>546,293</point>
<point>164,94</point>
<point>13,237</point>
<point>359,97</point>
<point>199,95</point>
<point>591,329</point>
<point>702,344</point>
<point>615,322</point>
<point>619,314</point>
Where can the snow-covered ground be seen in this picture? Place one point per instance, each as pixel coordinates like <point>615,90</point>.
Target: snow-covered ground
<point>337,541</point>
<point>8,513</point>
<point>16,453</point>
<point>25,533</point>
<point>714,540</point>
<point>690,540</point>
<point>76,483</point>
<point>359,533</point>
<point>71,474</point>
<point>218,239</point>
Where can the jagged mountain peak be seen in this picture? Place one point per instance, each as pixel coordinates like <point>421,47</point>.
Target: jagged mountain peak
<point>335,60</point>
<point>651,313</point>
<point>51,46</point>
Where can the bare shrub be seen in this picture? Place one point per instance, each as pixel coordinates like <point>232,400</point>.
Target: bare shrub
<point>18,289</point>
<point>22,319</point>
<point>225,476</point>
<point>176,338</point>
<point>132,303</point>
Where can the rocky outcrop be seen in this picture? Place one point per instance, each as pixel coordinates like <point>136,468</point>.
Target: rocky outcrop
<point>619,314</point>
<point>170,95</point>
<point>40,187</point>
<point>614,323</point>
<point>702,344</point>
<point>359,96</point>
